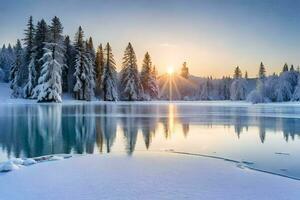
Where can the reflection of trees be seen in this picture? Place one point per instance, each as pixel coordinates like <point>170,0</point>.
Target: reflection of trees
<point>49,128</point>
<point>290,128</point>
<point>130,127</point>
<point>109,127</point>
<point>148,130</point>
<point>185,129</point>
<point>34,130</point>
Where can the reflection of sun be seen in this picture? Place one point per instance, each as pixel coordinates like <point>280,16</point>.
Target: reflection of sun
<point>170,70</point>
<point>171,117</point>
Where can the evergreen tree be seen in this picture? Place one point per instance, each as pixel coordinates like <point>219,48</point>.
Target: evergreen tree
<point>237,73</point>
<point>7,58</point>
<point>109,77</point>
<point>28,89</point>
<point>184,71</point>
<point>130,84</point>
<point>262,71</point>
<point>79,65</point>
<point>68,66</point>
<point>90,63</point>
<point>36,61</point>
<point>148,79</point>
<point>15,73</point>
<point>40,39</point>
<point>28,45</point>
<point>285,68</point>
<point>49,83</point>
<point>50,80</point>
<point>84,68</point>
<point>10,59</point>
<point>91,50</point>
<point>292,68</point>
<point>99,64</point>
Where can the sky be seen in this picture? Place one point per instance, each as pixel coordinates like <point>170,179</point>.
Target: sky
<point>212,36</point>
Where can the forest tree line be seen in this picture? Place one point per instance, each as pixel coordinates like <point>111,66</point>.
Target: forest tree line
<point>49,64</point>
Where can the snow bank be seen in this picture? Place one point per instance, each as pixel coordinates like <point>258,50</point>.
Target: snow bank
<point>144,176</point>
<point>16,163</point>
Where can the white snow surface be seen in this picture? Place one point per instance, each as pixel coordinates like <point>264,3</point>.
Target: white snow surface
<point>143,176</point>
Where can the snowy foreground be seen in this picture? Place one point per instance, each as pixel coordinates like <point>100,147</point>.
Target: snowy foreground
<point>143,176</point>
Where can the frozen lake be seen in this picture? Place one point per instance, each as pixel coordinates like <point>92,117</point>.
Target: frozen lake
<point>264,137</point>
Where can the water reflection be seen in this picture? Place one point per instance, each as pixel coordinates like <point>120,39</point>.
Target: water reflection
<point>47,129</point>
<point>35,130</point>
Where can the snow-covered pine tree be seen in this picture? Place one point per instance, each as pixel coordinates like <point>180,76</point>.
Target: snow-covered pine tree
<point>259,94</point>
<point>41,38</point>
<point>130,85</point>
<point>50,82</point>
<point>79,65</point>
<point>99,64</point>
<point>29,87</point>
<point>84,68</point>
<point>148,79</point>
<point>238,88</point>
<point>90,65</point>
<point>30,78</point>
<point>7,61</point>
<point>15,73</point>
<point>109,77</point>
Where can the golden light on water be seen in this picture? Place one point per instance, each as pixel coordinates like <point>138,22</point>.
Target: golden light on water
<point>171,120</point>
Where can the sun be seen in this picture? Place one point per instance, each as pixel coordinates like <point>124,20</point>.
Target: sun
<point>170,70</point>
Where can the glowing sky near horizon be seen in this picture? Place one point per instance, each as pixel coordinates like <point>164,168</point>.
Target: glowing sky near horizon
<point>212,36</point>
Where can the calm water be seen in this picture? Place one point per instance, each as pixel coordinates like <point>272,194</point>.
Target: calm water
<point>267,136</point>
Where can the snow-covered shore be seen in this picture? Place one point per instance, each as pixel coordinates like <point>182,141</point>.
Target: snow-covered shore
<point>143,176</point>
<point>5,98</point>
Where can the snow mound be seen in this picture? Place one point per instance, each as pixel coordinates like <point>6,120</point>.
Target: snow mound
<point>17,161</point>
<point>9,166</point>
<point>29,161</point>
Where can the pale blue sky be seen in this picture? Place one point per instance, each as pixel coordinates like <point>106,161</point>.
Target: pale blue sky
<point>213,36</point>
